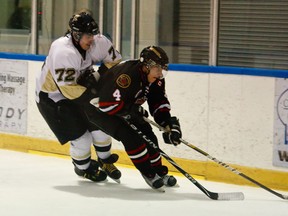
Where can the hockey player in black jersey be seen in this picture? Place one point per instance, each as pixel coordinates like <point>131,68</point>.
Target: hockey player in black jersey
<point>121,92</point>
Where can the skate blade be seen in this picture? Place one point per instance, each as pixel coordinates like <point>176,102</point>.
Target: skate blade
<point>116,180</point>
<point>161,189</point>
<point>89,180</point>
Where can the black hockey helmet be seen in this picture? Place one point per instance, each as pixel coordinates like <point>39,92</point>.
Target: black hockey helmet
<point>154,55</point>
<point>83,23</point>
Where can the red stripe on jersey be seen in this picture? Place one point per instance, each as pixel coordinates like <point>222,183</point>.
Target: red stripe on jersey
<point>105,104</point>
<point>117,109</point>
<point>117,106</point>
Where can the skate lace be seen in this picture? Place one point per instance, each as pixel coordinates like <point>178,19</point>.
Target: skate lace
<point>93,174</point>
<point>109,167</point>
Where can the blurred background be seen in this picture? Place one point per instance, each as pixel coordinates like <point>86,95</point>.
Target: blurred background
<point>242,33</point>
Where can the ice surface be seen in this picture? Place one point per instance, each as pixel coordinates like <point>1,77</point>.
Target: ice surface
<point>40,185</point>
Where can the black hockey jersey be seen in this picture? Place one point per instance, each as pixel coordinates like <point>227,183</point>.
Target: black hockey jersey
<point>125,85</point>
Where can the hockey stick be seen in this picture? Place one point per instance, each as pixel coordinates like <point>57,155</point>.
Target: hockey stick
<point>211,195</point>
<point>221,163</point>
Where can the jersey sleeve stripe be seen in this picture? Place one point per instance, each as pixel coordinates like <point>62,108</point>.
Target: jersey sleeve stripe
<point>108,109</point>
<point>111,107</point>
<point>162,107</point>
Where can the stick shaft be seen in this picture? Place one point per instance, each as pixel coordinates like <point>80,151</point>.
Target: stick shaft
<point>234,170</point>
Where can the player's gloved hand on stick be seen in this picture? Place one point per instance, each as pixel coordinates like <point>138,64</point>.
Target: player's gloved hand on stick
<point>173,134</point>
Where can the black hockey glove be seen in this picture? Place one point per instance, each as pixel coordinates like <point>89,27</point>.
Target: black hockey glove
<point>102,69</point>
<point>88,79</point>
<point>173,134</point>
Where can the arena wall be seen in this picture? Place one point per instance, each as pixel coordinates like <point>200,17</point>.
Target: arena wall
<point>229,116</point>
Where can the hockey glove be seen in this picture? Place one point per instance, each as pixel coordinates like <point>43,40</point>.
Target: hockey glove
<point>173,134</point>
<point>89,79</point>
<point>102,69</point>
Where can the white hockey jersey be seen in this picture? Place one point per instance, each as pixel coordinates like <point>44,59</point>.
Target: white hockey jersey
<point>64,64</point>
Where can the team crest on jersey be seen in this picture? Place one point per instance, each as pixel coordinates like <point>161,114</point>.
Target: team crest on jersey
<point>123,81</point>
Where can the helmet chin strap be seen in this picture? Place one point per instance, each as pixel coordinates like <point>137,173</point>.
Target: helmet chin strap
<point>148,69</point>
<point>78,46</point>
<point>144,74</point>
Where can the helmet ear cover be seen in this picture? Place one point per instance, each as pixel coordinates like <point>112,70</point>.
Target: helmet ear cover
<point>77,35</point>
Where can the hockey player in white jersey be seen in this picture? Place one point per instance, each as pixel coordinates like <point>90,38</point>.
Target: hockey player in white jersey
<point>59,97</point>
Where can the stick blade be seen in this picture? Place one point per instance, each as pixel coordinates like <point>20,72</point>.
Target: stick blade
<point>231,196</point>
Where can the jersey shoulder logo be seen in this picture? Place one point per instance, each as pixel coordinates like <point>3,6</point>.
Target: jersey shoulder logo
<point>123,81</point>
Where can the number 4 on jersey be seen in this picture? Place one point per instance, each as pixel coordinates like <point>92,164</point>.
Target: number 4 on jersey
<point>117,95</point>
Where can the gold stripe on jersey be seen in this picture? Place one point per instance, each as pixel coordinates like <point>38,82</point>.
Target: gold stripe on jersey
<point>111,64</point>
<point>49,84</point>
<point>72,91</point>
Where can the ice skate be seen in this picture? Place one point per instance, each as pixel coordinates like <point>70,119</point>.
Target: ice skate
<point>155,182</point>
<point>168,180</point>
<point>92,172</point>
<point>107,165</point>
